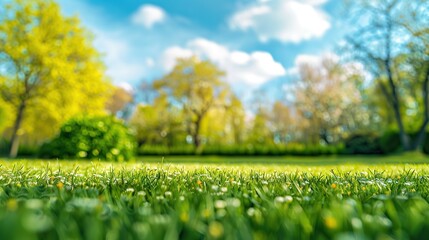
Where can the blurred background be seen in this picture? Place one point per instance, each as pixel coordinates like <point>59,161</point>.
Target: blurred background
<point>260,77</point>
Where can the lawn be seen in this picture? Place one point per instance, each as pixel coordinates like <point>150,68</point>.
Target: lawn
<point>408,158</point>
<point>216,198</point>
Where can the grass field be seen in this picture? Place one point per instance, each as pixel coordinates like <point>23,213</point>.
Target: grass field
<point>216,198</point>
<point>409,158</point>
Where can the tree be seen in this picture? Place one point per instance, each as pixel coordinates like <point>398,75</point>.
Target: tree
<point>225,126</point>
<point>388,32</point>
<point>119,101</point>
<point>50,69</point>
<point>196,86</point>
<point>328,100</point>
<point>260,132</point>
<point>282,122</point>
<point>160,123</point>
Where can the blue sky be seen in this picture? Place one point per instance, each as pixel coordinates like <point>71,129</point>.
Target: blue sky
<point>257,42</point>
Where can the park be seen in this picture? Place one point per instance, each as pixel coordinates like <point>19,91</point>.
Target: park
<point>278,119</point>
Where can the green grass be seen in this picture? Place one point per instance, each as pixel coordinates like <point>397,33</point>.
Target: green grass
<point>411,158</point>
<point>332,198</point>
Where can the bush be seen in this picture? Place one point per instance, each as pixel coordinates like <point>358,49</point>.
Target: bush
<point>162,150</point>
<point>426,144</point>
<point>91,137</point>
<point>363,143</point>
<point>390,142</point>
<point>243,150</point>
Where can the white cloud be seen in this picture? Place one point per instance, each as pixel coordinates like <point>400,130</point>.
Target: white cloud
<point>150,62</point>
<point>252,69</point>
<point>283,20</point>
<point>315,60</point>
<point>351,68</point>
<point>126,86</point>
<point>172,54</point>
<point>148,15</point>
<point>120,67</point>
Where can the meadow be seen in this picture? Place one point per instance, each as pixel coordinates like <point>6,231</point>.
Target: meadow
<point>216,198</point>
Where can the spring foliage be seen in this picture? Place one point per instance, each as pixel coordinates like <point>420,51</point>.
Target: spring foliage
<point>92,138</point>
<point>51,71</point>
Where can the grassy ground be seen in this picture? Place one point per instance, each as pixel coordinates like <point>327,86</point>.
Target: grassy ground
<point>216,198</point>
<point>410,158</point>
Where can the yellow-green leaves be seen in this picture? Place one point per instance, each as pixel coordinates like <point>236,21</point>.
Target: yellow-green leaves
<point>196,86</point>
<point>51,65</point>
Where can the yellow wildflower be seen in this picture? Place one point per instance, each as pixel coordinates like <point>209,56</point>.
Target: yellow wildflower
<point>331,222</point>
<point>60,185</point>
<point>216,229</point>
<point>12,204</point>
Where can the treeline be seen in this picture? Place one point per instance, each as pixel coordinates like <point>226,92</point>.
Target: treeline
<point>372,99</point>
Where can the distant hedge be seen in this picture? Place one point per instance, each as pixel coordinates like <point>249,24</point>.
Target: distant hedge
<point>103,138</point>
<point>242,150</point>
<point>363,143</point>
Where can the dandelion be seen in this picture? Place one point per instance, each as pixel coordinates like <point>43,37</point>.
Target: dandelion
<point>216,229</point>
<point>279,200</point>
<point>159,198</point>
<point>331,222</point>
<point>233,202</point>
<point>220,204</point>
<point>184,217</point>
<point>251,212</point>
<point>356,223</point>
<point>288,199</point>
<point>206,213</point>
<point>12,204</point>
<point>333,185</point>
<point>60,185</point>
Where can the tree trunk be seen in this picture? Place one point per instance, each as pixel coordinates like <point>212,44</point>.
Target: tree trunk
<point>15,132</point>
<point>394,93</point>
<point>421,135</point>
<point>196,133</point>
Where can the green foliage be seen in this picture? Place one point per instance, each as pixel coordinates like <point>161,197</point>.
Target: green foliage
<point>135,201</point>
<point>196,87</point>
<point>426,144</point>
<point>50,69</point>
<point>92,138</point>
<point>162,150</point>
<point>5,113</point>
<point>363,143</point>
<point>243,150</point>
<point>391,141</point>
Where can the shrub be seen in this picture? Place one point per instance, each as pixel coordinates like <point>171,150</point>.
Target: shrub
<point>363,143</point>
<point>426,144</point>
<point>91,137</point>
<point>390,141</point>
<point>243,150</point>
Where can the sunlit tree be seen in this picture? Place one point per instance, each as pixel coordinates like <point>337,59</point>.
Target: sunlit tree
<point>50,69</point>
<point>159,123</point>
<point>391,38</point>
<point>118,101</point>
<point>328,99</point>
<point>196,86</point>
